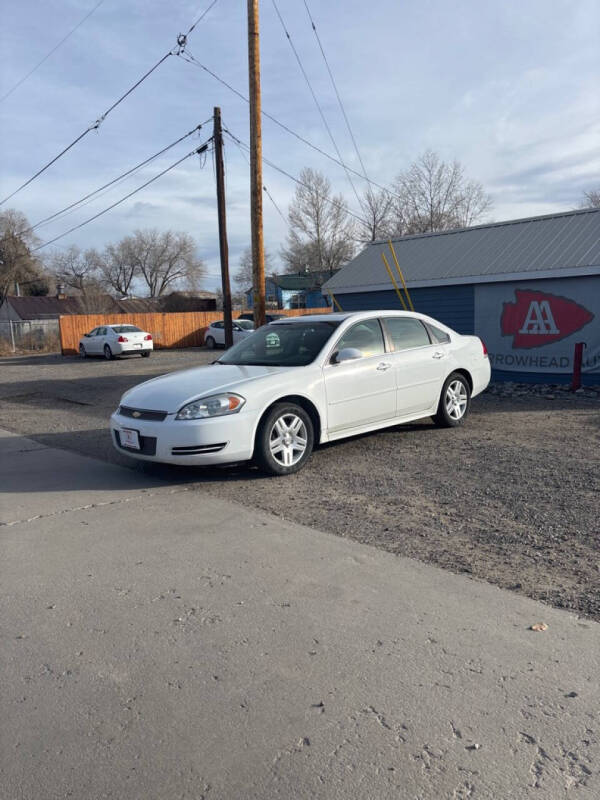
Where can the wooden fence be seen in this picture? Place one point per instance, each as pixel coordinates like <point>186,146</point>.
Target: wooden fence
<point>169,330</point>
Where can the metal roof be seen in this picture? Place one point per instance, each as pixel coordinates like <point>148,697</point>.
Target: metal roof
<point>554,245</point>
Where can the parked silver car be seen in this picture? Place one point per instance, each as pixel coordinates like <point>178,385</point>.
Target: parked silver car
<point>215,333</point>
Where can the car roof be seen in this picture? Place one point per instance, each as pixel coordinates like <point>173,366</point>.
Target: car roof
<point>340,316</point>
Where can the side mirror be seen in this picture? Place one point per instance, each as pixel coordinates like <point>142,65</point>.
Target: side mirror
<point>87,335</point>
<point>347,354</point>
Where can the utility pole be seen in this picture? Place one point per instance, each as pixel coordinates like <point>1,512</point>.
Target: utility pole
<point>256,181</point>
<point>223,248</point>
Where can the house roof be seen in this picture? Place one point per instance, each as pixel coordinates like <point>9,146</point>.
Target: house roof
<point>299,281</point>
<point>53,307</point>
<point>553,245</point>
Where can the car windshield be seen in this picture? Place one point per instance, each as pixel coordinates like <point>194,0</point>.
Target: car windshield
<point>125,329</point>
<point>291,344</point>
<point>246,324</point>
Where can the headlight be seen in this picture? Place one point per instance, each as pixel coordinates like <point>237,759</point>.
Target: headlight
<point>218,405</point>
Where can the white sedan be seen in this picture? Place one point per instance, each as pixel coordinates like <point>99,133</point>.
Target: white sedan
<point>215,333</point>
<point>302,381</point>
<point>115,340</point>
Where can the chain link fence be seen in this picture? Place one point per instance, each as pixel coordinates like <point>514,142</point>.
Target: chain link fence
<point>29,336</point>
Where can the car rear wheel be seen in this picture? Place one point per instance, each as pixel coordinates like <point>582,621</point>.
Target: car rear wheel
<point>454,402</point>
<point>284,440</point>
<point>210,342</point>
<point>107,352</point>
<point>146,354</point>
<point>82,352</point>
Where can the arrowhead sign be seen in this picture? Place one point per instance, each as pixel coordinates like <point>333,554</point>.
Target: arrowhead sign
<point>539,318</point>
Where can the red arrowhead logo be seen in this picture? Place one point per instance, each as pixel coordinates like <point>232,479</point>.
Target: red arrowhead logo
<point>539,318</point>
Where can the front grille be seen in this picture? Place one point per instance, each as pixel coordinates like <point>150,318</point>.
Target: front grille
<point>142,413</point>
<point>147,445</point>
<point>197,449</point>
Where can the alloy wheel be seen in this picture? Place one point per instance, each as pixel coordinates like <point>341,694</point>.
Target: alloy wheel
<point>288,440</point>
<point>456,400</point>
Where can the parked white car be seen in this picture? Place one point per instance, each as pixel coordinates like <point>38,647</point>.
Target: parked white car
<point>215,333</point>
<point>302,381</point>
<point>115,340</point>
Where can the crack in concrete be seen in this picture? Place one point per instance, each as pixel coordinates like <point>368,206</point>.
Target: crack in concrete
<point>90,506</point>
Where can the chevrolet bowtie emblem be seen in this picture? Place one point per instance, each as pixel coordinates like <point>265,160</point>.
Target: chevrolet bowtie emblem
<point>136,414</point>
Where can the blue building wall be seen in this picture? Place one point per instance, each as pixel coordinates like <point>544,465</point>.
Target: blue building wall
<point>452,305</point>
<point>455,307</point>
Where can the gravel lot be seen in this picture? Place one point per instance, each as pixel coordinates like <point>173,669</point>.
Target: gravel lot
<point>512,497</point>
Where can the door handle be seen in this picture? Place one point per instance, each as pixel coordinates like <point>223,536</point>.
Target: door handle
<point>438,354</point>
<point>383,366</point>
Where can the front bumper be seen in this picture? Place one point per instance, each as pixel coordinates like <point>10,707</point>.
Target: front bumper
<point>221,440</point>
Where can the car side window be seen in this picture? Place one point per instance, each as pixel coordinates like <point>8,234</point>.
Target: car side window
<point>101,332</point>
<point>365,336</point>
<point>93,332</point>
<point>218,325</point>
<point>437,334</point>
<point>406,333</point>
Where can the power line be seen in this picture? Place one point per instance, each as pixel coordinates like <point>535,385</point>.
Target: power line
<point>92,127</point>
<point>131,171</point>
<point>54,49</point>
<point>314,96</point>
<point>181,42</point>
<point>267,192</point>
<point>191,59</point>
<point>198,150</point>
<point>337,94</point>
<point>201,17</point>
<point>298,181</point>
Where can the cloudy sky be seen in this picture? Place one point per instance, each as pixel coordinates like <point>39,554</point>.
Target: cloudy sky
<point>510,88</point>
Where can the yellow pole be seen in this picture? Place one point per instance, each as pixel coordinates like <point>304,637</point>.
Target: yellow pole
<point>412,308</point>
<point>331,294</point>
<point>391,274</point>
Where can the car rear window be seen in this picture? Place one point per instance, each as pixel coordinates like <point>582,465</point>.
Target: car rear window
<point>437,334</point>
<point>125,329</point>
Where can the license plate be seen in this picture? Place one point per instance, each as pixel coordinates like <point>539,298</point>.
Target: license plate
<point>137,345</point>
<point>129,438</point>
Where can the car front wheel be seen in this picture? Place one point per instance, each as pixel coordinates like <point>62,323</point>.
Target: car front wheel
<point>210,342</point>
<point>454,401</point>
<point>284,440</point>
<point>82,352</point>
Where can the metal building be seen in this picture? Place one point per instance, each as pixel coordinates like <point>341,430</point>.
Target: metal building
<point>530,288</point>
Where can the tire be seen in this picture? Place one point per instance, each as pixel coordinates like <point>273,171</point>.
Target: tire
<point>146,354</point>
<point>210,342</point>
<point>108,354</point>
<point>455,402</point>
<point>82,351</point>
<point>289,422</point>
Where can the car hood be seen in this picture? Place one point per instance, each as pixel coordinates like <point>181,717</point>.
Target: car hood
<point>170,392</point>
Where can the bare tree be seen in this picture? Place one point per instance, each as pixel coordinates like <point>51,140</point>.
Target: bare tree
<point>591,199</point>
<point>117,267</point>
<point>433,195</point>
<point>18,265</point>
<point>165,259</point>
<point>321,234</point>
<point>243,275</point>
<point>77,269</point>
<point>377,212</point>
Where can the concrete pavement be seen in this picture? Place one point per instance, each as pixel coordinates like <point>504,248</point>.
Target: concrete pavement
<point>160,643</point>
